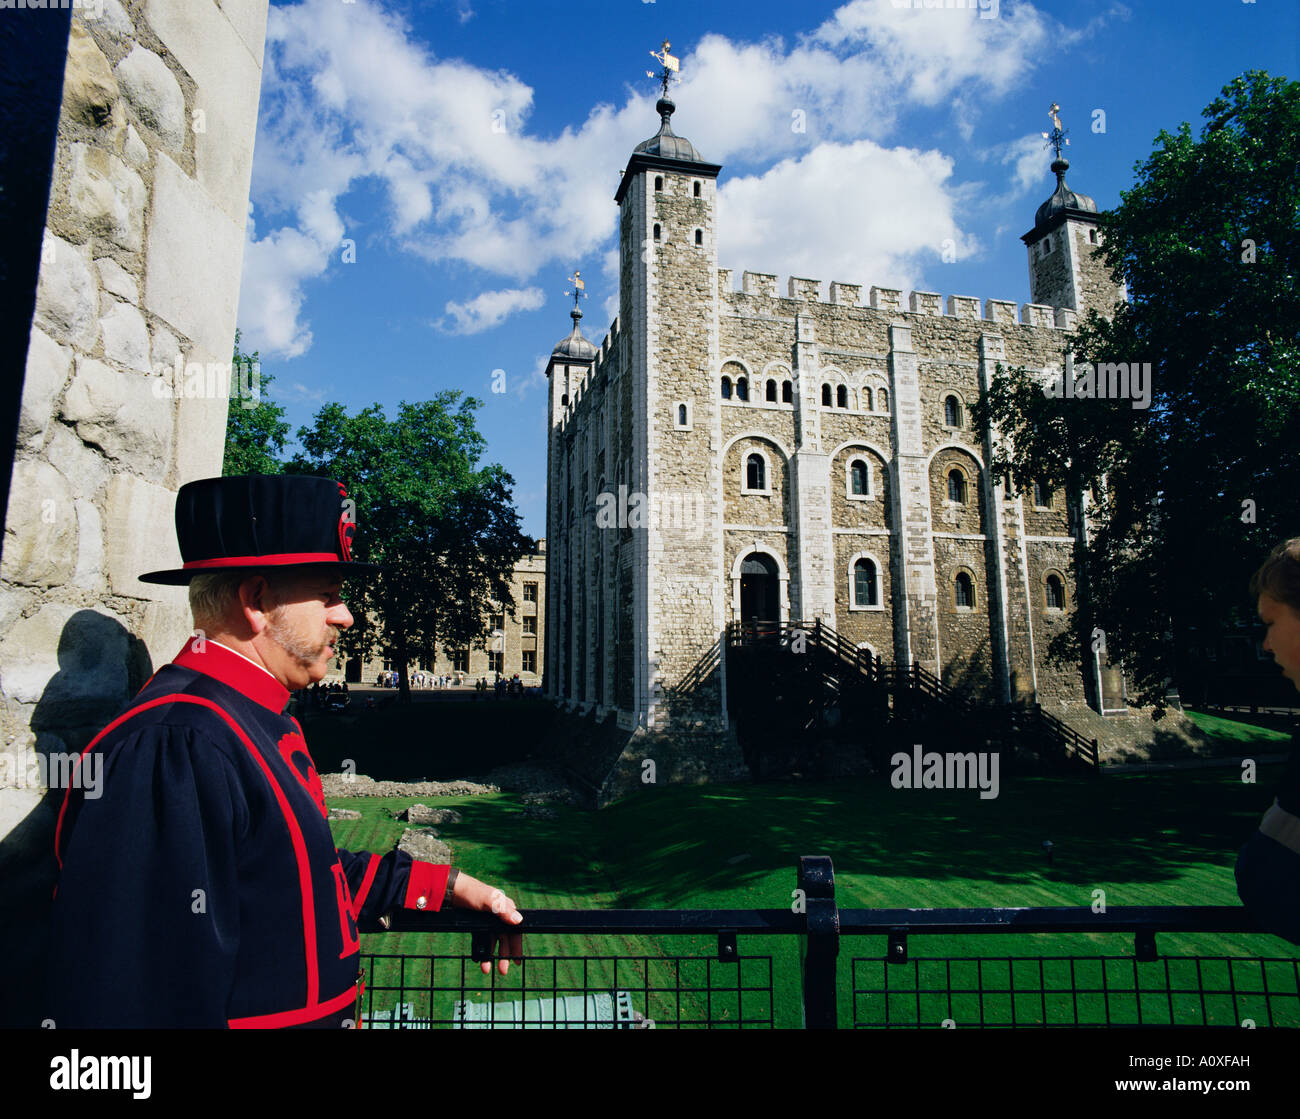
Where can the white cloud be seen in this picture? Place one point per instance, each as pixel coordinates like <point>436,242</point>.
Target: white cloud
<point>362,126</point>
<point>858,213</point>
<point>489,309</point>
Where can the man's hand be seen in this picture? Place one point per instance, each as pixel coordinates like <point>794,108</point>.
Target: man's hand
<point>470,893</point>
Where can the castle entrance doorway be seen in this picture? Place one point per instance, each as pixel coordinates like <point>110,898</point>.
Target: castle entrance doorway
<point>758,589</point>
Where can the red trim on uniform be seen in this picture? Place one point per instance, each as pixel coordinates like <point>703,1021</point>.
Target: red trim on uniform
<point>366,882</point>
<point>295,1017</point>
<point>427,880</point>
<point>235,671</point>
<point>295,832</point>
<point>277,559</point>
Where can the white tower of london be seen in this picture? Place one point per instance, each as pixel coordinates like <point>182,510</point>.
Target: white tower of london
<point>728,455</point>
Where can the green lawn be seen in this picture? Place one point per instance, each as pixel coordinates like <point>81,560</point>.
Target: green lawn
<point>1170,839</point>
<point>1239,735</point>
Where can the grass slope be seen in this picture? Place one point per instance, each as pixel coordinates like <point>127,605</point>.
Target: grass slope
<point>1170,839</point>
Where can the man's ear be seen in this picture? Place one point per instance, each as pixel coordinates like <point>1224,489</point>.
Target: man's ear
<point>255,602</point>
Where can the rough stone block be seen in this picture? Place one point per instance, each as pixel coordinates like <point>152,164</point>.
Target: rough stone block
<point>48,365</point>
<point>885,299</point>
<point>108,196</point>
<point>846,295</point>
<point>71,662</point>
<point>40,527</point>
<point>84,468</point>
<point>126,339</point>
<point>1000,310</point>
<point>167,623</point>
<point>67,297</point>
<point>89,573</point>
<point>1037,314</point>
<point>963,307</point>
<point>141,534</point>
<point>924,303</point>
<point>116,280</point>
<point>116,22</point>
<point>799,288</point>
<point>119,413</point>
<point>194,259</point>
<point>155,95</point>
<point>200,437</point>
<point>135,149</point>
<point>90,91</point>
<point>229,79</point>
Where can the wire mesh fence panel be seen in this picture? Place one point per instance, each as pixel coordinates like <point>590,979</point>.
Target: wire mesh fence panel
<point>567,992</point>
<point>1075,991</point>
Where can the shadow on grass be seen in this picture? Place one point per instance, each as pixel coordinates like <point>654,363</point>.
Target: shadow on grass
<point>661,846</point>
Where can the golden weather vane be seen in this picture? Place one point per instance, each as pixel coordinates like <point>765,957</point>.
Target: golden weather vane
<point>579,287</point>
<point>671,65</point>
<point>1057,137</point>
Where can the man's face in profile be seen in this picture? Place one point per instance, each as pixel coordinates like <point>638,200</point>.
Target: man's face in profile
<point>1282,636</point>
<point>305,625</point>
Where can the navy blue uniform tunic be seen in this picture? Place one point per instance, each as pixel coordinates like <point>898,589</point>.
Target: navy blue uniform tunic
<point>202,886</point>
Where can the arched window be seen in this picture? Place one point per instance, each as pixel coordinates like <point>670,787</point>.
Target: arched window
<point>957,487</point>
<point>658,232</point>
<point>1042,496</point>
<point>1055,593</point>
<point>951,412</point>
<point>826,396</point>
<point>755,473</point>
<point>726,388</point>
<point>697,189</point>
<point>864,583</point>
<point>742,388</point>
<point>858,477</point>
<point>771,390</point>
<point>884,400</point>
<point>787,392</point>
<point>699,236</point>
<point>964,591</point>
<point>659,182</point>
<point>867,405</point>
<point>681,414</point>
<point>841,397</point>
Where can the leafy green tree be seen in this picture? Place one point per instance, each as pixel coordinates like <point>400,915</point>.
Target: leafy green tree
<point>254,434</point>
<point>1188,496</point>
<point>443,527</point>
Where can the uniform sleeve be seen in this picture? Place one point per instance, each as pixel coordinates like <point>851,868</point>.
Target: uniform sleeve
<point>145,921</point>
<point>380,883</point>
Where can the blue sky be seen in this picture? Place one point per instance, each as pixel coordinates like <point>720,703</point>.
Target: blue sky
<point>469,150</point>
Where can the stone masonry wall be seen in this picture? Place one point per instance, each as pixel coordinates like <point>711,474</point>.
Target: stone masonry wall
<point>140,271</point>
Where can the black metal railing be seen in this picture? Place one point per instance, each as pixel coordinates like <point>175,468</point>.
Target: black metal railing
<point>723,987</point>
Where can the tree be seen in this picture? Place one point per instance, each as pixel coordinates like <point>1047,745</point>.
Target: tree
<point>443,527</point>
<point>1191,494</point>
<point>255,432</point>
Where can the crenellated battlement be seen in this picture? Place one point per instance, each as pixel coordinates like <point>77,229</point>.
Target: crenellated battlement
<point>1001,312</point>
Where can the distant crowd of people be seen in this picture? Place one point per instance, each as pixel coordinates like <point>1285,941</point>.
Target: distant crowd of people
<point>318,694</point>
<point>391,679</point>
<point>514,687</point>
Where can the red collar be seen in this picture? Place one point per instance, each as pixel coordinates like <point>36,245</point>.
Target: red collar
<point>234,670</point>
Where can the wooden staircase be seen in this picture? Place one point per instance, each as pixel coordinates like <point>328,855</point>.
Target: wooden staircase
<point>799,690</point>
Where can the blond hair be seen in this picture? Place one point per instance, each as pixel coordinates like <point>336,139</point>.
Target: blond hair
<point>1279,575</point>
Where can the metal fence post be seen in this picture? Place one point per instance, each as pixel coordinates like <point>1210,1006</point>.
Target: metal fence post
<point>821,943</point>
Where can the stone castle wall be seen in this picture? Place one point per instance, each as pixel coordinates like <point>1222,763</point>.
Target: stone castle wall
<point>140,269</point>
